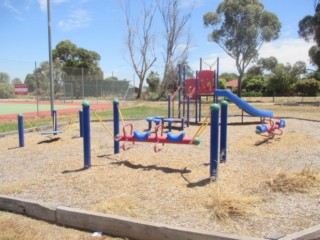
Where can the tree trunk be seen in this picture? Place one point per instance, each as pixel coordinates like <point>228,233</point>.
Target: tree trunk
<point>239,84</point>
<point>139,94</point>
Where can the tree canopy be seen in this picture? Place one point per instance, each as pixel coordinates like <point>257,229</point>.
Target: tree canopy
<point>71,56</point>
<point>240,27</point>
<point>309,29</point>
<point>76,64</point>
<point>4,77</point>
<point>269,77</point>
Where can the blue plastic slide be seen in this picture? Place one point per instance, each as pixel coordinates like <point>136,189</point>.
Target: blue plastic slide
<point>243,104</point>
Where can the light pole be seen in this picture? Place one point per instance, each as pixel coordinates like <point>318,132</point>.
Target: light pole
<point>50,60</point>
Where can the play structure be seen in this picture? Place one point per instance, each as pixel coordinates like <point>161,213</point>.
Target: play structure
<point>193,91</point>
<point>158,137</point>
<point>218,139</point>
<point>189,94</point>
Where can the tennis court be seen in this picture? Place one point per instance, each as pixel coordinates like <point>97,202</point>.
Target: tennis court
<point>9,110</point>
<point>16,108</point>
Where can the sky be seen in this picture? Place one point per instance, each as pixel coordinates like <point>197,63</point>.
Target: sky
<point>99,25</point>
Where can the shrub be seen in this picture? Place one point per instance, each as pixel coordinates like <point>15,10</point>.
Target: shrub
<point>251,94</point>
<point>307,87</point>
<point>6,90</point>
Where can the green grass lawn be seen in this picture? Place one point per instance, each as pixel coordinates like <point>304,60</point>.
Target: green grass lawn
<point>13,108</point>
<point>137,112</point>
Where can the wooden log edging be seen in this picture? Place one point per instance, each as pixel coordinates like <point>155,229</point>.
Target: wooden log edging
<point>124,226</point>
<point>27,207</point>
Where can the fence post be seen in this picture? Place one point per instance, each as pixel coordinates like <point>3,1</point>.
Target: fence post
<point>214,140</point>
<point>86,134</point>
<point>188,111</point>
<point>21,130</point>
<point>179,93</point>
<point>196,110</point>
<point>116,125</point>
<point>169,106</point>
<point>223,131</point>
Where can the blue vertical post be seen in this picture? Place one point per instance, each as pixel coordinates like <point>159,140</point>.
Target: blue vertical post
<point>223,131</point>
<point>196,97</point>
<point>179,93</point>
<point>214,140</point>
<point>169,106</point>
<point>116,125</point>
<point>21,130</point>
<point>200,64</point>
<point>86,134</point>
<point>55,121</point>
<point>200,108</point>
<point>184,80</point>
<point>81,122</point>
<point>188,111</point>
<point>216,81</point>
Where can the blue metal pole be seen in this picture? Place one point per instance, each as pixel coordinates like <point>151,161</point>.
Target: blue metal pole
<point>184,89</point>
<point>188,111</point>
<point>184,80</point>
<point>196,97</point>
<point>169,106</point>
<point>214,140</point>
<point>21,130</point>
<point>200,108</point>
<point>216,81</point>
<point>223,131</point>
<point>55,121</point>
<point>86,134</point>
<point>81,122</point>
<point>116,125</point>
<point>200,64</point>
<point>179,94</point>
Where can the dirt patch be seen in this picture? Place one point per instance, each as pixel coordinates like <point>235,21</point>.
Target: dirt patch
<point>172,186</point>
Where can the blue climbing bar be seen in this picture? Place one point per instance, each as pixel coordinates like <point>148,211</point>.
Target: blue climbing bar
<point>116,125</point>
<point>21,130</point>
<point>86,134</point>
<point>214,140</point>
<point>55,121</point>
<point>81,122</point>
<point>169,106</point>
<point>223,131</point>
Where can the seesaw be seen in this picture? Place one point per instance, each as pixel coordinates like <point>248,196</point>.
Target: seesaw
<point>137,136</point>
<point>272,130</point>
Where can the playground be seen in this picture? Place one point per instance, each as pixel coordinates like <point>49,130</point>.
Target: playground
<point>172,186</point>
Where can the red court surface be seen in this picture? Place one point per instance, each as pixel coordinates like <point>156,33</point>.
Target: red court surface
<point>66,111</point>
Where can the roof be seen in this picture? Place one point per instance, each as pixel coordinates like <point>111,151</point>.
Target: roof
<point>232,83</point>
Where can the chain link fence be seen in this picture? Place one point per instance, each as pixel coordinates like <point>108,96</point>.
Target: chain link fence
<point>69,83</point>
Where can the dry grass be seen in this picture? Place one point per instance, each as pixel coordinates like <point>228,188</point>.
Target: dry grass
<point>302,182</point>
<point>19,227</point>
<point>123,204</point>
<point>13,188</point>
<point>227,205</point>
<point>171,186</point>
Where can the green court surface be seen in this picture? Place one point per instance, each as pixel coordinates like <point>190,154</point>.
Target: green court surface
<point>15,108</point>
